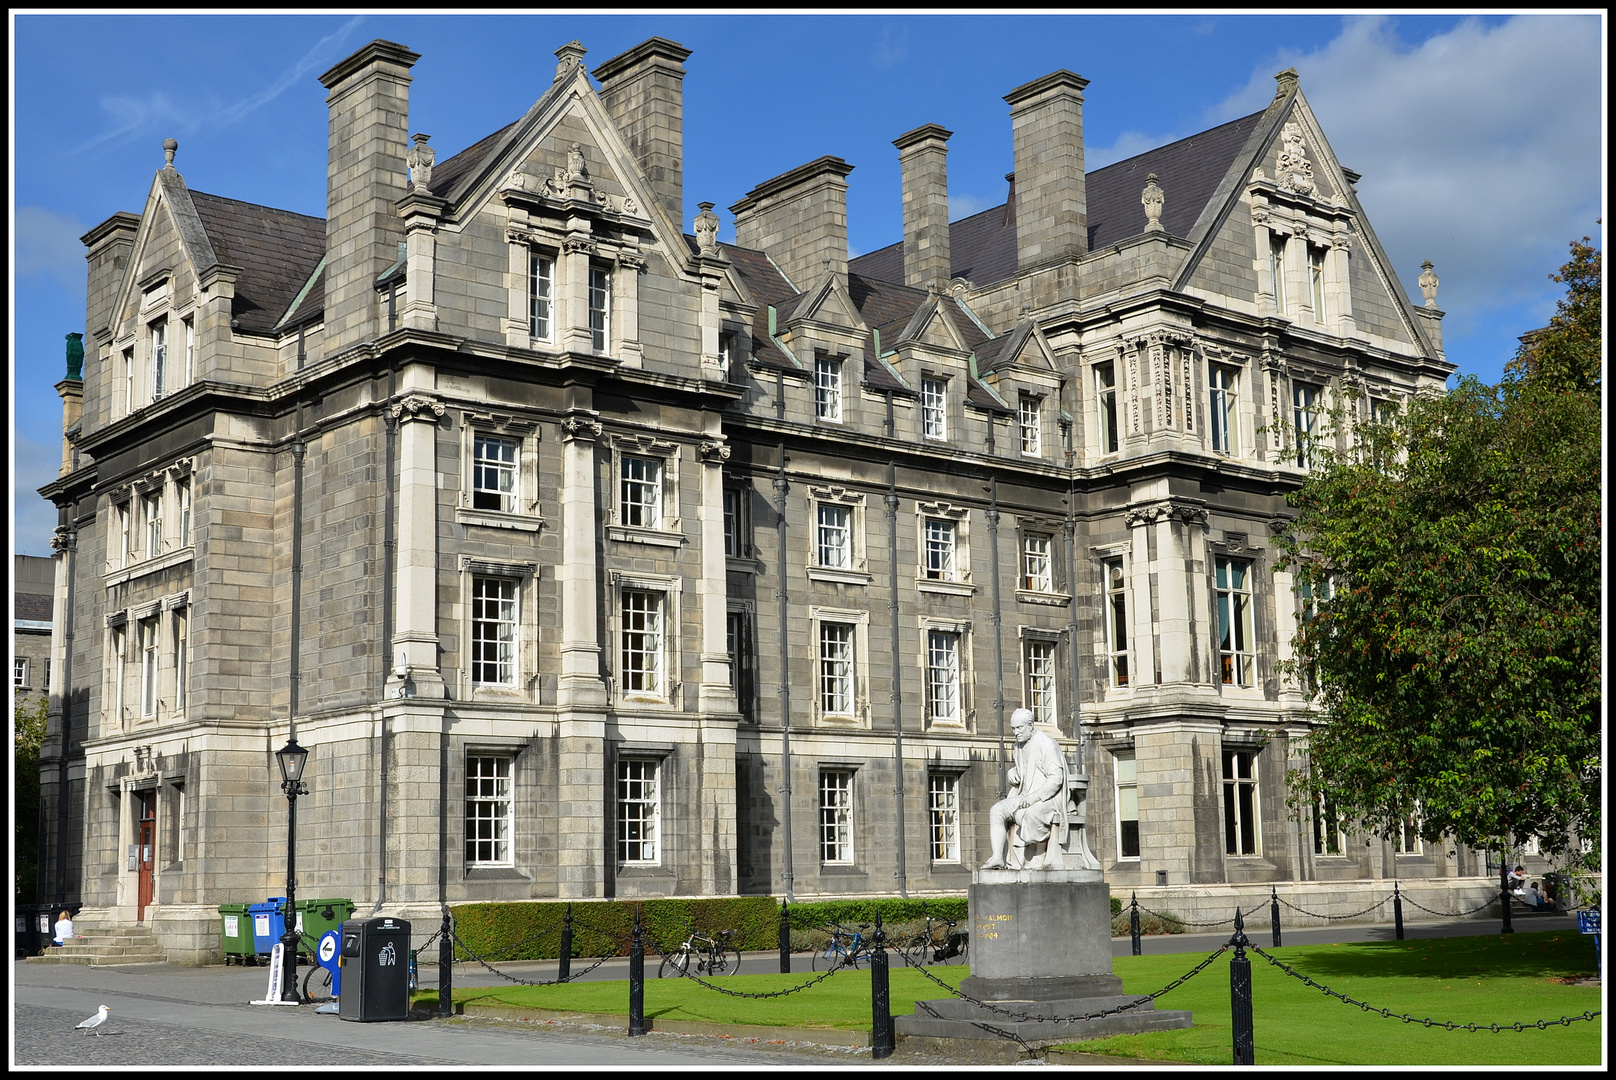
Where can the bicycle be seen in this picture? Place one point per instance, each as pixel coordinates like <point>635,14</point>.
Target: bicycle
<point>940,945</point>
<point>847,948</point>
<point>714,956</point>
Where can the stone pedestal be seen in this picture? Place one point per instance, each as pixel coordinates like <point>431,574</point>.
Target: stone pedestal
<point>1040,947</point>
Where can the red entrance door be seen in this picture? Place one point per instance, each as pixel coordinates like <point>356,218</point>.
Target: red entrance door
<point>146,805</point>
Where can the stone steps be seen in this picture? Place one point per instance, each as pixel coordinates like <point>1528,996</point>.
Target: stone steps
<point>106,947</point>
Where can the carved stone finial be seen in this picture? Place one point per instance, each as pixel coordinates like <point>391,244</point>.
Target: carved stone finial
<point>169,147</point>
<point>1153,197</point>
<point>1295,171</point>
<point>75,357</point>
<point>1428,283</point>
<point>569,58</point>
<point>577,170</point>
<point>707,229</point>
<point>420,159</point>
<point>1288,81</point>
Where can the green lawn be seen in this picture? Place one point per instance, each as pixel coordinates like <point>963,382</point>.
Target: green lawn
<point>1490,979</point>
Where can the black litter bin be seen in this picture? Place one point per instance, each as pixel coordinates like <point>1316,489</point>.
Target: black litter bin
<point>29,942</point>
<point>375,970</point>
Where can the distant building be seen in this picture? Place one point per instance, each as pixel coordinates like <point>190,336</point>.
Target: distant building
<point>544,516</point>
<point>31,589</point>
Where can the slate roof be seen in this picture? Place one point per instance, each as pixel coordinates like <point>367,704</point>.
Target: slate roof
<point>982,247</point>
<point>30,607</point>
<point>447,174</point>
<point>277,250</point>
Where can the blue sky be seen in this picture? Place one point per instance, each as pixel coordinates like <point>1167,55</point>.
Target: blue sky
<point>1480,139</point>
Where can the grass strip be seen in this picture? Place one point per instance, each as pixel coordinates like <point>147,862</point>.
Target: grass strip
<point>1481,980</point>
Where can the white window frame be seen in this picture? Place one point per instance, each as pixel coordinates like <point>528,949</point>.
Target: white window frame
<point>118,645</point>
<point>128,381</point>
<point>151,511</point>
<point>1327,830</point>
<point>853,706</point>
<point>19,672</point>
<point>828,389</point>
<point>190,349</point>
<point>1276,270</point>
<point>600,307</point>
<point>1305,400</point>
<point>656,497</point>
<point>182,659</point>
<point>540,295</point>
<point>1237,653</point>
<point>639,810</point>
<point>1108,418</point>
<point>934,408</point>
<point>836,821</point>
<point>505,661</point>
<point>1317,258</point>
<point>1223,393</point>
<point>182,496</point>
<point>639,491</point>
<point>124,512</point>
<point>1040,658</point>
<point>1242,810</point>
<point>736,523</point>
<point>1114,578</point>
<point>941,539</point>
<point>495,829</point>
<point>1030,414</point>
<point>838,681</point>
<point>833,535</point>
<point>1038,567</point>
<point>942,811</point>
<point>1126,775</point>
<point>505,471</point>
<point>146,632</point>
<point>158,337</point>
<point>658,681</point>
<point>944,650</point>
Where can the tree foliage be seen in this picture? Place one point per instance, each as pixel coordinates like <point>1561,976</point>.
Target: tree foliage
<point>1457,663</point>
<point>28,735</point>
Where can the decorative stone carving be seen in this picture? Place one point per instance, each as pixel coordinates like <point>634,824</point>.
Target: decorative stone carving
<point>417,407</point>
<point>1186,512</point>
<point>1153,197</point>
<point>707,230</point>
<point>181,468</point>
<point>569,58</point>
<point>64,539</point>
<point>629,206</point>
<point>170,147</point>
<point>1295,171</point>
<point>578,427</point>
<point>1036,803</point>
<point>556,185</point>
<point>713,451</point>
<point>578,245</point>
<point>631,260</point>
<point>577,169</point>
<point>420,159</point>
<point>1428,283</point>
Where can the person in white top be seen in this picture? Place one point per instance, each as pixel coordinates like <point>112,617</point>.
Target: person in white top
<point>1533,897</point>
<point>64,928</point>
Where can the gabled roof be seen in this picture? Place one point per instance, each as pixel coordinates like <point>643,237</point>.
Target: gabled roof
<point>982,247</point>
<point>277,251</point>
<point>449,173</point>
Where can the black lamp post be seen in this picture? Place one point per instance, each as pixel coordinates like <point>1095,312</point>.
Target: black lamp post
<point>292,758</point>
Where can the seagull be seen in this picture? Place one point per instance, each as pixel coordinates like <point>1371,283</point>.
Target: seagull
<point>95,1021</point>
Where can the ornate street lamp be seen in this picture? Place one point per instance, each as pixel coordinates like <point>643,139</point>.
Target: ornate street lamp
<point>292,758</point>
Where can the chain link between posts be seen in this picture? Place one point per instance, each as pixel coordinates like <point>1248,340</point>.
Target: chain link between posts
<point>1450,914</point>
<point>684,974</point>
<point>574,977</point>
<point>1449,1025</point>
<point>1320,915</point>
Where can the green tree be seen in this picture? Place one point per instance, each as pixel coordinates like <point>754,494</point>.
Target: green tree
<point>1455,554</point>
<point>27,737</point>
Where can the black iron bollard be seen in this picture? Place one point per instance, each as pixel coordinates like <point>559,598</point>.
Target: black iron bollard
<point>881,1034</point>
<point>446,965</point>
<point>1397,910</point>
<point>1503,892</point>
<point>1133,924</point>
<point>785,940</point>
<point>636,979</point>
<point>564,970</point>
<point>1240,996</point>
<point>1273,912</point>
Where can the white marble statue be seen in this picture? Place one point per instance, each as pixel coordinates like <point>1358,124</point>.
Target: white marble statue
<point>1037,803</point>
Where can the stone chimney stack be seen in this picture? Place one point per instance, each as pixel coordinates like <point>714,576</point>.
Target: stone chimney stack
<point>800,219</point>
<point>1052,215</point>
<point>923,157</point>
<point>366,175</point>
<point>643,91</point>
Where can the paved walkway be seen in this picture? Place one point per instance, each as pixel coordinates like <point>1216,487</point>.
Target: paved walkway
<point>164,1014</point>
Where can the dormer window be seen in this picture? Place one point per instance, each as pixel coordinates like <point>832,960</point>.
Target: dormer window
<point>1031,415</point>
<point>600,307</point>
<point>1315,276</point>
<point>159,355</point>
<point>828,388</point>
<point>934,408</point>
<point>1276,269</point>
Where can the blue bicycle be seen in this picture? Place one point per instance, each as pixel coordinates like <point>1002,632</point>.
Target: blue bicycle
<point>847,948</point>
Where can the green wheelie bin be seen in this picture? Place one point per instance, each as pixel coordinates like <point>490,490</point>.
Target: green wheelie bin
<point>236,935</point>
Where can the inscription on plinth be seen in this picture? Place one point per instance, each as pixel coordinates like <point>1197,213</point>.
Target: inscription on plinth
<point>1031,925</point>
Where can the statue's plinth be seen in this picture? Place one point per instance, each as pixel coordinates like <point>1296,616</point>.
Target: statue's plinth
<point>1040,946</point>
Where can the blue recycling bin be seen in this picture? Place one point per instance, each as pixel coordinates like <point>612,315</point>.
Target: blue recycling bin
<point>268,923</point>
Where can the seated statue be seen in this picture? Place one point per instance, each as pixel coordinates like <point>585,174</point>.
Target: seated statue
<point>1037,803</point>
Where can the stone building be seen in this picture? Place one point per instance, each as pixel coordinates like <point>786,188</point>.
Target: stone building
<point>31,587</point>
<point>594,557</point>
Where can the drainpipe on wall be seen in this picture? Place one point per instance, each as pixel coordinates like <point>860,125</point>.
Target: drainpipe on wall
<point>62,794</point>
<point>998,638</point>
<point>389,545</point>
<point>897,680</point>
<point>1071,604</point>
<point>780,488</point>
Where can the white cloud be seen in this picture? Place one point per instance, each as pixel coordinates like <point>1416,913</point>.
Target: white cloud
<point>1127,145</point>
<point>963,206</point>
<point>48,243</point>
<point>889,52</point>
<point>1480,148</point>
<point>33,516</point>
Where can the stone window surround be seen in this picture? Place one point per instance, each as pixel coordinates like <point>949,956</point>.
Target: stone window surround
<point>856,572</point>
<point>490,747</point>
<point>1234,746</point>
<point>622,256</point>
<point>622,753</point>
<point>646,446</point>
<point>528,515</point>
<point>1260,597</point>
<point>125,623</point>
<point>853,771</point>
<point>966,674</point>
<point>524,675</point>
<point>859,619</point>
<point>935,772</point>
<point>929,377</point>
<point>156,306</point>
<point>128,498</point>
<point>829,374</point>
<point>669,586</point>
<point>960,583</point>
<point>1099,556</point>
<point>1028,635</point>
<point>1097,444</point>
<point>1059,594</point>
<point>1246,396</point>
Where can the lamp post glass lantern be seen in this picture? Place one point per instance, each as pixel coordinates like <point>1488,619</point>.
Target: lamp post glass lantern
<point>292,758</point>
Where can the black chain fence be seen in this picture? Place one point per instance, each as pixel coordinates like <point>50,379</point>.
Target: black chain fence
<point>1485,904</point>
<point>727,992</point>
<point>1320,915</point>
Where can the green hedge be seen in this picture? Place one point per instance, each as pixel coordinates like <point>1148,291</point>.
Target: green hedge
<point>531,930</point>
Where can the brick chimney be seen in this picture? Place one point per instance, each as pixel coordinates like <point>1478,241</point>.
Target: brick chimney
<point>800,219</point>
<point>366,174</point>
<point>923,157</point>
<point>643,91</point>
<point>1052,215</point>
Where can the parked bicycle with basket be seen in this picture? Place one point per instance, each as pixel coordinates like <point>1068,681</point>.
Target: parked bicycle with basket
<point>713,956</point>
